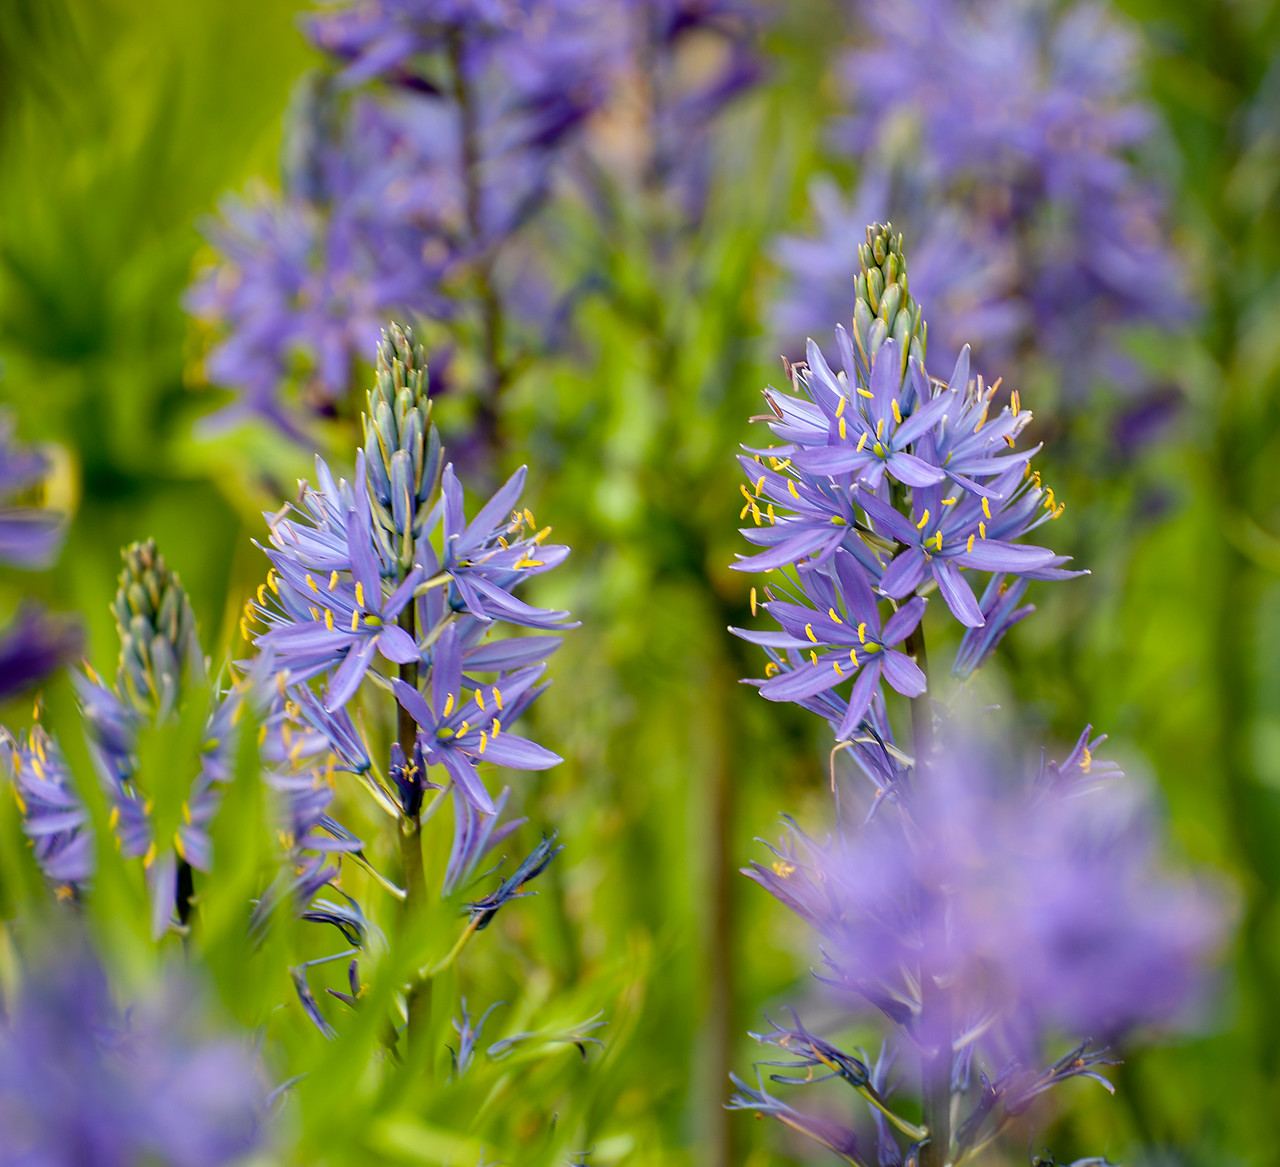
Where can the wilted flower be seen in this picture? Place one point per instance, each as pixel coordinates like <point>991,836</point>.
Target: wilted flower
<point>534,864</point>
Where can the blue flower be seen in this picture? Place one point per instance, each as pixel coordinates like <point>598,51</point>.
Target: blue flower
<point>474,836</point>
<point>840,632</point>
<point>484,909</point>
<point>459,731</point>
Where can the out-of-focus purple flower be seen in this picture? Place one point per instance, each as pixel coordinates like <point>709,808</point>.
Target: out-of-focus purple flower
<point>33,647</point>
<point>1038,175</point>
<point>468,1037</point>
<point>1000,611</point>
<point>832,1135</point>
<point>1040,904</point>
<point>29,536</point>
<point>54,817</point>
<point>82,1081</point>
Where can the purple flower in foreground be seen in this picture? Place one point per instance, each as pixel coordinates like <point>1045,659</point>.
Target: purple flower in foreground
<point>82,1081</point>
<point>1040,903</point>
<point>29,536</point>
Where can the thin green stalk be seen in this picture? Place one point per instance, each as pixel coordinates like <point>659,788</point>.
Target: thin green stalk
<point>935,1000</point>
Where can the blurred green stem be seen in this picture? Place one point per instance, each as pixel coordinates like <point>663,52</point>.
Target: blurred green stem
<point>493,375</point>
<point>935,1001</point>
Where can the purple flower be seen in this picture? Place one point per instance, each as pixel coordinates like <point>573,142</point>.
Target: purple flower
<point>459,731</point>
<point>29,536</point>
<point>474,836</point>
<point>534,864</point>
<point>35,646</point>
<point>839,630</point>
<point>832,1135</point>
<point>84,1082</point>
<point>1040,903</point>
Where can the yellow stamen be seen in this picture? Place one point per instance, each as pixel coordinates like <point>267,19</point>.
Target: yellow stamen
<point>355,621</point>
<point>769,514</point>
<point>271,581</point>
<point>835,664</point>
<point>480,700</point>
<point>969,545</point>
<point>862,633</point>
<point>791,486</point>
<point>466,725</point>
<point>862,441</point>
<point>333,580</point>
<point>982,530</point>
<point>448,705</point>
<point>986,507</point>
<point>755,514</point>
<point>865,393</point>
<point>496,728</point>
<point>484,740</point>
<point>897,413</point>
<point>853,657</point>
<point>843,432</point>
<point>937,538</point>
<point>328,619</point>
<point>262,593</point>
<point>312,584</point>
<point>360,593</point>
<point>808,631</point>
<point>834,615</point>
<point>497,697</point>
<point>924,518</point>
<point>753,601</point>
<point>813,656</point>
<point>770,669</point>
<point>880,428</point>
<point>840,407</point>
<point>782,868</point>
<point>949,502</point>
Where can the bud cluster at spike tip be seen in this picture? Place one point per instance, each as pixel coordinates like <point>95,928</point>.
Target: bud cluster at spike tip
<point>422,152</point>
<point>1033,226</point>
<point>1032,901</point>
<point>388,571</point>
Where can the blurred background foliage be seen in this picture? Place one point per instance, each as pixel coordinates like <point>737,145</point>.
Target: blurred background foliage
<point>121,124</point>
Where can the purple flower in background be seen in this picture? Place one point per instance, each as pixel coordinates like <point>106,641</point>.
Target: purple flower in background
<point>1040,903</point>
<point>83,1081</point>
<point>33,647</point>
<point>1036,179</point>
<point>29,536</point>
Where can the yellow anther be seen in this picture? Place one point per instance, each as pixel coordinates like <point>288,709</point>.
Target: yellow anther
<point>782,868</point>
<point>742,486</point>
<point>484,740</point>
<point>480,700</point>
<point>753,601</point>
<point>771,669</point>
<point>982,530</point>
<point>538,538</point>
<point>986,506</point>
<point>271,581</point>
<point>844,433</point>
<point>835,664</point>
<point>245,634</point>
<point>497,697</point>
<point>853,657</point>
<point>262,593</point>
<point>865,393</point>
<point>355,621</point>
<point>328,619</point>
<point>360,593</point>
<point>937,538</point>
<point>808,631</point>
<point>769,514</point>
<point>983,419</point>
<point>742,514</point>
<point>897,413</point>
<point>880,428</point>
<point>1087,762</point>
<point>312,584</point>
<point>862,633</point>
<point>496,727</point>
<point>177,845</point>
<point>862,441</point>
<point>448,705</point>
<point>785,464</point>
<point>503,543</point>
<point>64,891</point>
<point>1016,402</point>
<point>774,462</point>
<point>813,656</point>
<point>949,502</point>
<point>113,818</point>
<point>791,486</point>
<point>755,514</point>
<point>840,407</point>
<point>466,725</point>
<point>528,517</point>
<point>150,857</point>
<point>969,545</point>
<point>834,615</point>
<point>924,518</point>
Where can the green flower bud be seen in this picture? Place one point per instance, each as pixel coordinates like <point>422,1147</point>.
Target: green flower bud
<point>159,644</point>
<point>884,307</point>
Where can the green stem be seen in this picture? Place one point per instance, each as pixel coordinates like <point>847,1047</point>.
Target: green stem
<point>494,373</point>
<point>935,1001</point>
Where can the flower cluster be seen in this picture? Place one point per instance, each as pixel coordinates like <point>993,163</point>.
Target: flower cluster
<point>1034,225</point>
<point>984,914</point>
<point>82,1081</point>
<point>413,164</point>
<point>384,580</point>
